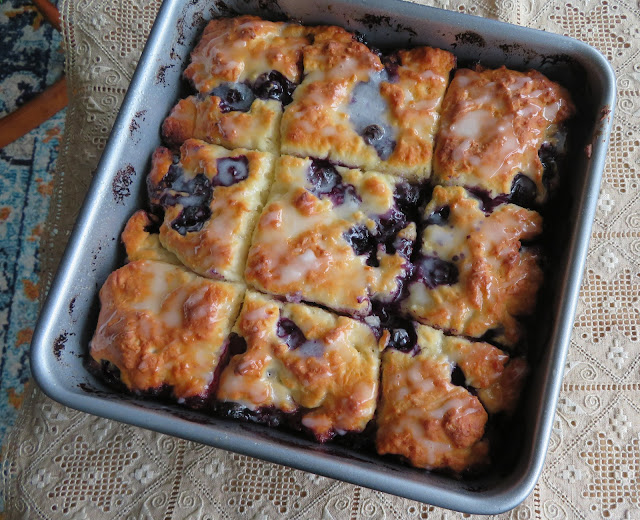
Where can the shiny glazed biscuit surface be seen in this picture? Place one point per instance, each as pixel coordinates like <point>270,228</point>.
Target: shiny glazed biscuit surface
<point>434,421</point>
<point>497,126</point>
<point>211,198</point>
<point>300,357</point>
<point>473,276</point>
<point>162,326</point>
<point>331,235</point>
<point>354,110</point>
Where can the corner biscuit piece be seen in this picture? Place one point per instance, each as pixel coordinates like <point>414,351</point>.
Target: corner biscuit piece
<point>209,119</point>
<point>235,50</point>
<point>211,198</point>
<point>332,236</point>
<point>473,276</point>
<point>141,239</point>
<point>162,330</point>
<point>427,413</point>
<point>244,70</point>
<point>296,361</point>
<point>502,132</point>
<point>354,110</point>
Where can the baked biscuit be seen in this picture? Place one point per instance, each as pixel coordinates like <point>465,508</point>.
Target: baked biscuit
<point>355,110</point>
<point>162,330</point>
<point>211,198</point>
<point>296,362</point>
<point>431,408</point>
<point>244,70</point>
<point>141,239</point>
<point>333,236</point>
<point>503,132</point>
<point>473,276</point>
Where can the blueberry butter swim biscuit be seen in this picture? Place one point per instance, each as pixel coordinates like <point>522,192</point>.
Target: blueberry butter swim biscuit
<point>354,109</point>
<point>333,236</point>
<point>211,198</point>
<point>244,71</point>
<point>473,275</point>
<point>292,360</point>
<point>435,396</point>
<point>503,132</point>
<point>163,330</point>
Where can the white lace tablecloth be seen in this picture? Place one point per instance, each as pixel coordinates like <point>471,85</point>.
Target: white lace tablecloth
<point>60,463</point>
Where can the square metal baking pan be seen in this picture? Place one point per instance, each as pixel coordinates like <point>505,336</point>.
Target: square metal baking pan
<point>66,324</point>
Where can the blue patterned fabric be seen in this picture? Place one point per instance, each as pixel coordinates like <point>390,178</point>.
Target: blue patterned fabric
<point>31,59</point>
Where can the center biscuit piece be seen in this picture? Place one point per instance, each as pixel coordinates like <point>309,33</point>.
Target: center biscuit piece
<point>299,363</point>
<point>211,198</point>
<point>332,236</point>
<point>355,110</point>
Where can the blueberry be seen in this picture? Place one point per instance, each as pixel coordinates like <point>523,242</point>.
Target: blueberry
<point>372,133</point>
<point>434,272</point>
<point>191,219</point>
<point>523,191</point>
<point>402,336</point>
<point>323,177</point>
<point>234,96</point>
<point>231,170</point>
<point>362,243</point>
<point>439,217</point>
<point>273,85</point>
<point>288,331</point>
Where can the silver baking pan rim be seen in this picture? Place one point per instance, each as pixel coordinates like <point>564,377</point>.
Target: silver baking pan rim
<point>65,324</point>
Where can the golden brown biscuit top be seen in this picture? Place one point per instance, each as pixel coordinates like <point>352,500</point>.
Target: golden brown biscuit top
<point>473,275</point>
<point>353,110</point>
<point>162,325</point>
<point>240,49</point>
<point>141,239</point>
<point>307,243</point>
<point>493,124</point>
<point>303,357</point>
<point>428,419</point>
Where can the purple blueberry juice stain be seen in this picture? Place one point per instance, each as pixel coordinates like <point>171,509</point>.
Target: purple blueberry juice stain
<point>433,271</point>
<point>295,339</point>
<point>368,113</point>
<point>487,203</point>
<point>231,170</point>
<point>234,96</point>
<point>288,331</point>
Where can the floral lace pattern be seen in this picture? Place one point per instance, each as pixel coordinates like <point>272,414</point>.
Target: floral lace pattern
<point>65,464</point>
